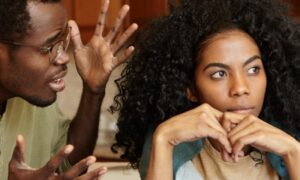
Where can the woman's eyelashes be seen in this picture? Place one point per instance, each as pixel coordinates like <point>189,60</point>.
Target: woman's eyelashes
<point>221,74</point>
<point>218,74</point>
<point>254,70</point>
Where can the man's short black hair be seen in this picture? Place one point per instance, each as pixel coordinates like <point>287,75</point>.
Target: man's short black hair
<point>14,18</point>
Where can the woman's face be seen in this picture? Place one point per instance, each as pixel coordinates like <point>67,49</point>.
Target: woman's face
<point>230,75</point>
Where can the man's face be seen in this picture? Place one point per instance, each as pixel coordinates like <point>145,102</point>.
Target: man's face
<point>27,72</point>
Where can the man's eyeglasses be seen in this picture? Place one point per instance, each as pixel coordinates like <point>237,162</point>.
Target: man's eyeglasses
<point>54,50</point>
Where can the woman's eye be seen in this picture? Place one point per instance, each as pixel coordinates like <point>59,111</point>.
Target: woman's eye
<point>218,75</point>
<point>253,70</point>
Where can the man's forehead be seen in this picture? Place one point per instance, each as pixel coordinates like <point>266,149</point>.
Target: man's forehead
<point>46,16</point>
<point>43,13</point>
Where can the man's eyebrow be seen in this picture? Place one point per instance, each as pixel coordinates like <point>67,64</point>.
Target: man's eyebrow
<point>52,38</point>
<point>55,37</point>
<point>248,61</point>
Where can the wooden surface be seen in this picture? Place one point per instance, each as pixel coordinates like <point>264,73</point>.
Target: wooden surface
<point>117,170</point>
<point>143,11</point>
<point>295,8</point>
<point>86,13</point>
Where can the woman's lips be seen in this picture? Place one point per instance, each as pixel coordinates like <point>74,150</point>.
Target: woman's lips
<point>242,110</point>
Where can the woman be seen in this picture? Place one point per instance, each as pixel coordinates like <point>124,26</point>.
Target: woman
<point>216,78</point>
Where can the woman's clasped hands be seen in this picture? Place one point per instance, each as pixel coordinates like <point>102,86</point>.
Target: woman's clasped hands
<point>232,134</point>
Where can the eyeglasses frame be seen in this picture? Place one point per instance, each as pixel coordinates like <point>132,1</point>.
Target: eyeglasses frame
<point>64,37</point>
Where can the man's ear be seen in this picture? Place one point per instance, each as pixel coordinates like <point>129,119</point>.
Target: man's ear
<point>190,93</point>
<point>4,53</point>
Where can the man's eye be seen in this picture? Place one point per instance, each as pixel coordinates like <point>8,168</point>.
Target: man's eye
<point>218,75</point>
<point>45,50</point>
<point>253,70</point>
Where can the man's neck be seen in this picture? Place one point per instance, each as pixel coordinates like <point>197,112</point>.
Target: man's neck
<point>4,96</point>
<point>2,107</point>
<point>3,101</point>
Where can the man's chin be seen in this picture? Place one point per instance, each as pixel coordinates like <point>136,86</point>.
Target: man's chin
<point>41,102</point>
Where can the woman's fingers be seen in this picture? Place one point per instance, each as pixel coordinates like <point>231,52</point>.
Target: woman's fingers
<point>230,120</point>
<point>220,137</point>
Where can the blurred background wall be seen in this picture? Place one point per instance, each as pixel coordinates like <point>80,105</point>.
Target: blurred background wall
<point>85,12</point>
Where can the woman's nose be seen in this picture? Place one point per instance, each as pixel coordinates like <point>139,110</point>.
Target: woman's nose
<point>239,86</point>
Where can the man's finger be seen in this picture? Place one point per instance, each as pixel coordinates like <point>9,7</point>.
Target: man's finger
<point>124,37</point>
<point>18,154</point>
<point>55,161</point>
<point>101,18</point>
<point>121,57</point>
<point>75,35</point>
<point>96,173</point>
<point>79,168</point>
<point>115,29</point>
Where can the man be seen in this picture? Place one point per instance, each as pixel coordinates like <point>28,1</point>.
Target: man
<point>34,37</point>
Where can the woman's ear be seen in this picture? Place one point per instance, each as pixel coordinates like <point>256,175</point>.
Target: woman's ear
<point>190,93</point>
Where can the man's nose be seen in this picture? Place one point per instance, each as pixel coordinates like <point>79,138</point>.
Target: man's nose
<point>62,58</point>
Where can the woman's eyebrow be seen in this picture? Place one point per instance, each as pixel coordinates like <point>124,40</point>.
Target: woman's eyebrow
<point>216,65</point>
<point>251,59</point>
<point>221,65</point>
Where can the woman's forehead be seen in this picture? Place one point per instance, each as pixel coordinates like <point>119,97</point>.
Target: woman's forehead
<point>228,47</point>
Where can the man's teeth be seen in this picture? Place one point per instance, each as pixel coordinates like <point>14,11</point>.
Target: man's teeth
<point>57,80</point>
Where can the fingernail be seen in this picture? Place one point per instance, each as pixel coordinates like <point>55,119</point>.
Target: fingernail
<point>229,149</point>
<point>91,161</point>
<point>232,126</point>
<point>225,156</point>
<point>19,137</point>
<point>236,158</point>
<point>68,149</point>
<point>241,154</point>
<point>102,171</point>
<point>126,6</point>
<point>233,157</point>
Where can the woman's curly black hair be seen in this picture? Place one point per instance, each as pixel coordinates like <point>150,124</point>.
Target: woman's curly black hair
<point>14,18</point>
<point>152,87</point>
